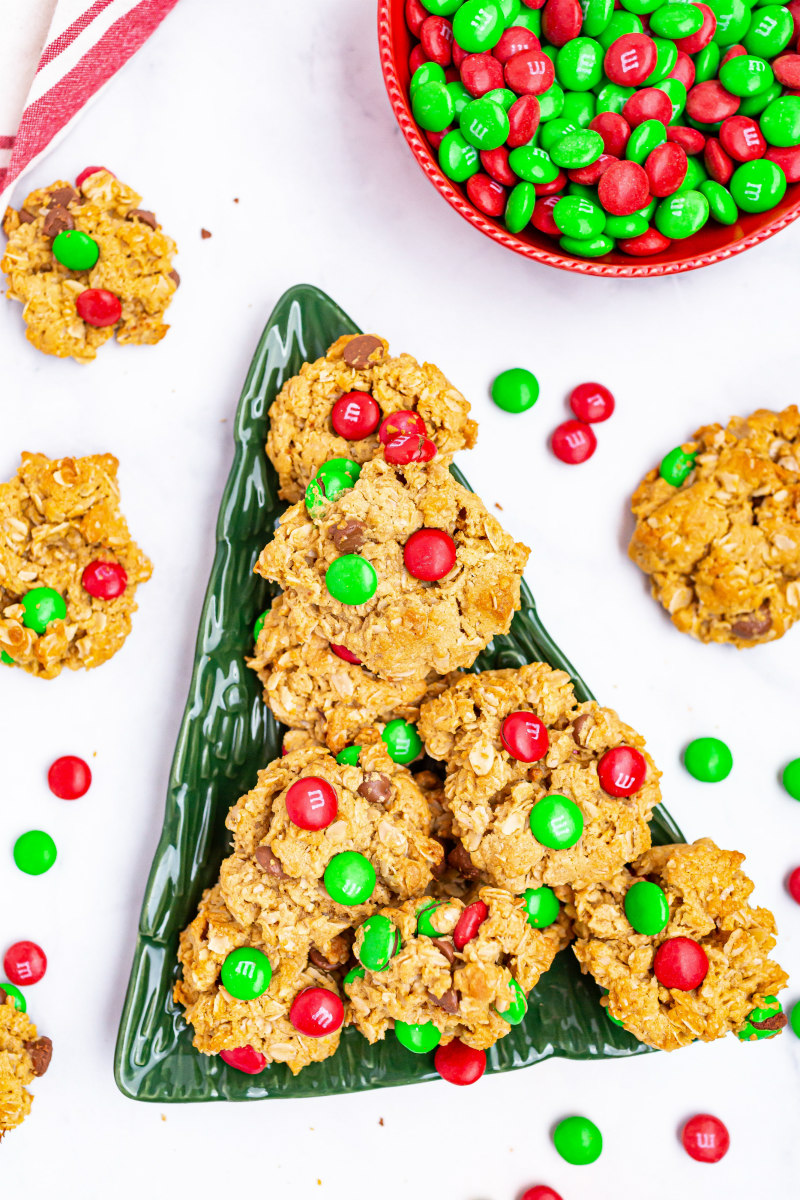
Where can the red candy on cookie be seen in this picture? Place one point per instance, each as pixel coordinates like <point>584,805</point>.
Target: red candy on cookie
<point>524,736</point>
<point>345,654</point>
<point>405,421</point>
<point>622,771</point>
<point>244,1058</point>
<point>459,1064</point>
<point>311,803</point>
<point>469,923</point>
<point>104,580</point>
<point>316,1012</point>
<point>680,963</point>
<point>98,307</point>
<point>355,415</point>
<point>429,554</point>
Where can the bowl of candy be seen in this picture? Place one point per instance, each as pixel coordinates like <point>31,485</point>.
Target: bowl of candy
<point>647,139</point>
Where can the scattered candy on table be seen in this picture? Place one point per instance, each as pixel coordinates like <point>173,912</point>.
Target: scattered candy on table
<point>791,778</point>
<point>578,1141</point>
<point>69,777</point>
<point>591,402</point>
<point>540,1192</point>
<point>573,442</point>
<point>794,1018</point>
<point>34,852</point>
<point>793,885</point>
<point>708,759</point>
<point>24,963</point>
<point>705,1138</point>
<point>515,390</point>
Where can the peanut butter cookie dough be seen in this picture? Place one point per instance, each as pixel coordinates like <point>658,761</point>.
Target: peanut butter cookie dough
<point>542,790</point>
<point>677,946</point>
<point>718,530</point>
<point>88,262</point>
<point>335,407</point>
<point>347,578</point>
<point>23,1056</point>
<point>68,568</point>
<point>454,969</point>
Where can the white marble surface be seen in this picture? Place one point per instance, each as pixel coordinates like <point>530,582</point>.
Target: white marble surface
<point>283,107</point>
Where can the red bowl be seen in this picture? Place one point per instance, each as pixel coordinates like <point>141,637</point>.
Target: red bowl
<point>712,244</point>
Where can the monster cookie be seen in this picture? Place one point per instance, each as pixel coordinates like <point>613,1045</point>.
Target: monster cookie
<point>718,529</point>
<point>542,790</point>
<point>87,262</point>
<point>406,569</point>
<point>341,407</point>
<point>236,1000</point>
<point>435,971</point>
<point>23,1056</point>
<point>678,948</point>
<point>68,568</point>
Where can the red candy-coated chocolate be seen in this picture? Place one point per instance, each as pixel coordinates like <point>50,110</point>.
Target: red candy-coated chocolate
<point>787,70</point>
<point>700,39</point>
<point>622,771</point>
<point>459,1064</point>
<point>486,194</point>
<point>708,102</point>
<point>469,923</point>
<point>69,777</point>
<point>515,40</point>
<point>624,189</point>
<point>355,415</point>
<point>793,885</point>
<point>555,185</point>
<point>718,164</point>
<point>24,963</point>
<point>311,803</point>
<point>436,139</point>
<point>630,59</point>
<point>524,736</point>
<point>540,1192</point>
<point>594,171</point>
<point>794,8</point>
<point>87,171</point>
<point>573,441</point>
<point>732,52</point>
<point>316,1012</point>
<point>458,55</point>
<point>429,554</point>
<point>244,1058</point>
<point>345,654</point>
<point>416,58</point>
<point>436,39</point>
<point>523,121</point>
<point>650,242</point>
<point>666,168</point>
<point>788,159</point>
<point>542,218</point>
<point>591,402</point>
<point>692,140</point>
<point>407,448</point>
<point>98,308</point>
<point>480,73</point>
<point>402,421</point>
<point>541,3</point>
<point>742,138</point>
<point>705,1138</point>
<point>415,15</point>
<point>561,21</point>
<point>104,580</point>
<point>530,73</point>
<point>495,163</point>
<point>650,104</point>
<point>614,130</point>
<point>680,963</point>
<point>684,70</point>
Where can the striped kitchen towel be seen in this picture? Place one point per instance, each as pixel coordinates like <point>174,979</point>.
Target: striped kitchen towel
<point>55,56</point>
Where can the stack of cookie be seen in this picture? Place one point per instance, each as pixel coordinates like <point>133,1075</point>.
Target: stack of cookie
<point>430,838</point>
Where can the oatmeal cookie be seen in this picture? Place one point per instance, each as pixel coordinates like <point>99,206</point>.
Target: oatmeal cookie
<point>705,899</point>
<point>68,568</point>
<point>408,627</point>
<point>492,794</point>
<point>23,1056</point>
<point>222,1022</point>
<point>301,436</point>
<point>464,989</point>
<point>722,549</point>
<point>133,271</point>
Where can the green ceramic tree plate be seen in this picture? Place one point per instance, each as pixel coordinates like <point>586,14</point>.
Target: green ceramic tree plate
<point>227,733</point>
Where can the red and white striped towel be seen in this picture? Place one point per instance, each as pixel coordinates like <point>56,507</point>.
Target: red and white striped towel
<point>55,56</point>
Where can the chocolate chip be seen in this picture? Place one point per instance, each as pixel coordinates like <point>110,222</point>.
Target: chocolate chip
<point>753,624</point>
<point>439,867</point>
<point>145,216</point>
<point>449,1001</point>
<point>578,726</point>
<point>776,1022</point>
<point>41,1051</point>
<point>26,217</point>
<point>205,233</point>
<point>363,351</point>
<point>175,277</point>
<point>320,961</point>
<point>62,197</point>
<point>3,996</point>
<point>348,535</point>
<point>460,861</point>
<point>446,948</point>
<point>269,862</point>
<point>375,787</point>
<point>56,220</point>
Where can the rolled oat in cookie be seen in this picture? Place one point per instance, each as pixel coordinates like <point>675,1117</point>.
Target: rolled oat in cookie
<point>302,435</point>
<point>722,548</point>
<point>407,627</point>
<point>705,900</point>
<point>68,568</point>
<point>24,1056</point>
<point>494,797</point>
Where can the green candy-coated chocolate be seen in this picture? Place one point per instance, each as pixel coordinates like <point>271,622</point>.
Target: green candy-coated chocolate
<point>520,206</point>
<point>433,107</point>
<point>794,1019</point>
<point>35,852</point>
<point>752,106</point>
<point>460,96</point>
<point>579,108</point>
<point>502,96</point>
<point>41,606</point>
<point>733,21</point>
<point>594,247</point>
<point>576,150</point>
<point>780,121</point>
<point>6,658</point>
<point>419,1039</point>
<point>706,63</point>
<point>551,103</point>
<point>424,924</point>
<point>351,580</point>
<point>611,1017</point>
<point>16,995</point>
<point>75,250</point>
<point>695,174</point>
<point>457,158</point>
<point>556,822</point>
<point>708,759</point>
<point>246,973</point>
<point>621,23</point>
<point>676,20</point>
<point>541,906</point>
<point>626,227</point>
<point>554,131</point>
<point>681,215</point>
<point>441,8</point>
<point>721,204</point>
<point>579,64</point>
<point>675,91</point>
<point>484,123</point>
<point>402,741</point>
<point>646,908</point>
<point>478,25</point>
<point>577,1139</point>
<point>530,18</point>
<point>790,778</point>
<point>533,164</point>
<point>349,756</point>
<point>579,218</point>
<point>613,98</point>
<point>677,466</point>
<point>354,974</point>
<point>641,7</point>
<point>515,1013</point>
<point>259,625</point>
<point>746,75</point>
<point>757,186</point>
<point>750,1032</point>
<point>378,943</point>
<point>644,139</point>
<point>510,10</point>
<point>334,477</point>
<point>582,191</point>
<point>597,16</point>
<point>349,878</point>
<point>667,56</point>
<point>515,390</point>
<point>770,31</point>
<point>429,72</point>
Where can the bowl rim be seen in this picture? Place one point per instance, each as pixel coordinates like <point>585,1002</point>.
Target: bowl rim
<point>637,268</point>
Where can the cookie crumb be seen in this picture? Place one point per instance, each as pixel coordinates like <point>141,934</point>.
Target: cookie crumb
<point>498,506</point>
<point>380,1120</point>
<point>235,199</point>
<point>205,233</point>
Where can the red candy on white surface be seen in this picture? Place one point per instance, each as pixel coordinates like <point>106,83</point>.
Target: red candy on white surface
<point>480,73</point>
<point>788,159</point>
<point>459,1064</point>
<point>244,1058</point>
<point>104,580</point>
<point>524,736</point>
<point>793,885</point>
<point>355,416</point>
<point>680,963</point>
<point>345,654</point>
<point>316,1012</point>
<point>630,59</point>
<point>515,40</point>
<point>311,803</point>
<point>622,771</point>
<point>487,194</point>
<point>469,923</point>
<point>705,1138</point>
<point>495,163</point>
<point>98,307</point>
<point>624,188</point>
<point>700,39</point>
<point>573,441</point>
<point>523,121</point>
<point>561,21</point>
<point>709,102</point>
<point>407,448</point>
<point>666,168</point>
<point>429,554</point>
<point>591,402</point>
<point>436,39</point>
<point>69,777</point>
<point>405,420</point>
<point>530,73</point>
<point>87,171</point>
<point>542,218</point>
<point>742,139</point>
<point>650,104</point>
<point>614,130</point>
<point>24,963</point>
<point>540,1192</point>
